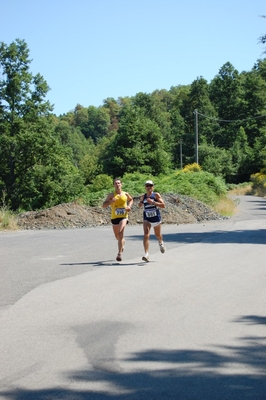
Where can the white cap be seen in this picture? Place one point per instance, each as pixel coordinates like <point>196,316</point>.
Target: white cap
<point>149,183</point>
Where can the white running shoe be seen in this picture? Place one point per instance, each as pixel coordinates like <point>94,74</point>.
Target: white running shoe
<point>162,248</point>
<point>146,258</point>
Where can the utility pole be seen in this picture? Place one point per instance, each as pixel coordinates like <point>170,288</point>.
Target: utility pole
<point>196,137</point>
<point>181,155</point>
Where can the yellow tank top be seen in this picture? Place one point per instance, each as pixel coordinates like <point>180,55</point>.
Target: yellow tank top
<point>118,207</point>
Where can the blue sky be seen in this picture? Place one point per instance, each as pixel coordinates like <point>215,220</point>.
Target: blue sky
<point>89,50</point>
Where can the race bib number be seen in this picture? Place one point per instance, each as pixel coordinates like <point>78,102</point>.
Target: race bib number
<point>151,213</point>
<point>120,211</point>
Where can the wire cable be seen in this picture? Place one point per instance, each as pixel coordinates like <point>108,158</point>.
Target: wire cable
<point>231,120</point>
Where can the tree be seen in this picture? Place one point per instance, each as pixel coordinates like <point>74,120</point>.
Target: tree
<point>198,99</point>
<point>242,155</point>
<point>93,121</point>
<point>114,110</point>
<point>72,139</point>
<point>35,169</point>
<point>216,160</point>
<point>137,146</point>
<point>254,102</point>
<point>225,95</point>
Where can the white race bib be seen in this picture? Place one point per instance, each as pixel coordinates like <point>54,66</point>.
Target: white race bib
<point>151,213</point>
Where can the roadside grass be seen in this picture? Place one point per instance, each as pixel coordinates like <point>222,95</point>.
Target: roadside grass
<point>226,206</point>
<point>248,189</point>
<point>8,220</point>
<point>241,190</point>
<point>259,191</point>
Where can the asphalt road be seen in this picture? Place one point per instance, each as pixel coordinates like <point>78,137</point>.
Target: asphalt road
<point>189,325</point>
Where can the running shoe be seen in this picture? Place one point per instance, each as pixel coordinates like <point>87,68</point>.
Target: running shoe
<point>118,257</point>
<point>145,258</point>
<point>162,248</point>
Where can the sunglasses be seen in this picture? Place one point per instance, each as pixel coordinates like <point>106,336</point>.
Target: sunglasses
<point>149,185</point>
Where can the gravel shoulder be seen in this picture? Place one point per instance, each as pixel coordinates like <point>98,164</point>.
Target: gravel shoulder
<point>179,210</point>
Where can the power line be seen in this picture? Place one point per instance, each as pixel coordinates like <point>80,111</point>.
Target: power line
<point>231,120</point>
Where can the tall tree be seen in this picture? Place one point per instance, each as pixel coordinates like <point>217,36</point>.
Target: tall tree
<point>30,152</point>
<point>225,95</point>
<point>242,155</point>
<point>92,121</point>
<point>137,146</point>
<point>114,110</point>
<point>208,128</point>
<point>254,104</point>
<point>216,160</point>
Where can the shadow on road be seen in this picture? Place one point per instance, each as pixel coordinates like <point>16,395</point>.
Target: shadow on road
<point>107,263</point>
<point>187,375</point>
<point>257,236</point>
<point>215,237</point>
<point>241,236</point>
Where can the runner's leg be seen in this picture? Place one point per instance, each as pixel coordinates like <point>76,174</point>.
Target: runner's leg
<point>119,234</point>
<point>157,232</point>
<point>146,237</point>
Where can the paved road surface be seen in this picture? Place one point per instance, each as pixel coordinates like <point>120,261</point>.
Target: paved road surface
<point>189,325</point>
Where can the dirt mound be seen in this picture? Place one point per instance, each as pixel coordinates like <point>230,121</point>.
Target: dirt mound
<point>179,210</point>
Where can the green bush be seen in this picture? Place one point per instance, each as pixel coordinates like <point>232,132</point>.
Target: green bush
<point>259,182</point>
<point>200,185</point>
<point>192,168</point>
<point>101,182</point>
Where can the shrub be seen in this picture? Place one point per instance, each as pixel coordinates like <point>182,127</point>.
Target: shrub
<point>192,168</point>
<point>259,182</point>
<point>101,182</point>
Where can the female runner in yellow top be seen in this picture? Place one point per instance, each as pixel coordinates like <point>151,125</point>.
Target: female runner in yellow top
<point>121,203</point>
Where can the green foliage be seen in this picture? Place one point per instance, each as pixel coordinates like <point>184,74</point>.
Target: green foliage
<point>36,170</point>
<point>89,167</point>
<point>92,198</point>
<point>143,132</point>
<point>192,168</point>
<point>135,182</point>
<point>52,184</point>
<point>72,139</point>
<point>46,159</point>
<point>93,122</point>
<point>101,182</point>
<point>259,181</point>
<point>216,160</point>
<point>199,99</point>
<point>137,146</point>
<point>201,185</point>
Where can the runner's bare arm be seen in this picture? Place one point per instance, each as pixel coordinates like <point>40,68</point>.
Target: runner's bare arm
<point>129,201</point>
<point>158,202</point>
<point>107,202</point>
<point>140,203</point>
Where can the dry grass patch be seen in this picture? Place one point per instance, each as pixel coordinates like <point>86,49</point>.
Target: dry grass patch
<point>241,190</point>
<point>8,221</point>
<point>226,207</point>
<point>259,191</point>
